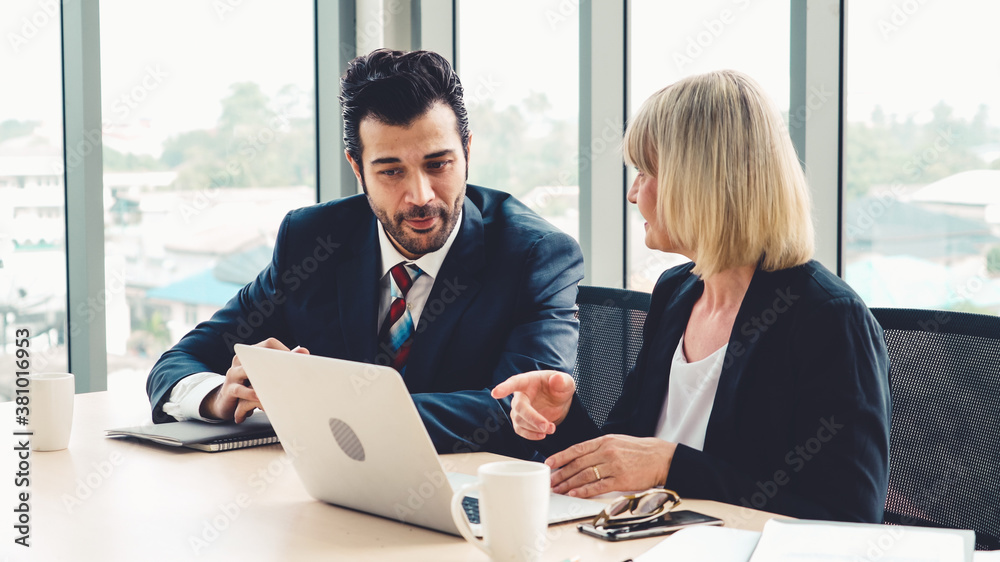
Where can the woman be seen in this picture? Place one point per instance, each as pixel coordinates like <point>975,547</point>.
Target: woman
<point>762,379</point>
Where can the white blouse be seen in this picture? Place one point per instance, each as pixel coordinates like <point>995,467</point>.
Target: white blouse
<point>684,417</point>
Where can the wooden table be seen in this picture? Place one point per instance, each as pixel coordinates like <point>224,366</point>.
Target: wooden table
<point>107,499</point>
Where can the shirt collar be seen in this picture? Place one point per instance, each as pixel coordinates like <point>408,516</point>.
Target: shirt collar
<point>430,263</point>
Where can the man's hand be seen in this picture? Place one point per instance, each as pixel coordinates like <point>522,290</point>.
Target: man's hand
<point>541,401</point>
<point>235,400</point>
<point>624,463</point>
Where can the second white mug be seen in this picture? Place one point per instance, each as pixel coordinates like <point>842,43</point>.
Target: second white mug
<point>513,510</point>
<point>50,410</point>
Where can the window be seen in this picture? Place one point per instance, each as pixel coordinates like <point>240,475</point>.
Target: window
<point>209,139</point>
<point>922,163</point>
<point>32,227</point>
<point>669,40</point>
<point>209,136</point>
<point>523,100</point>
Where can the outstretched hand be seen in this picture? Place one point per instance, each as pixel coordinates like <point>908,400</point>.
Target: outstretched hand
<point>541,401</point>
<point>235,400</point>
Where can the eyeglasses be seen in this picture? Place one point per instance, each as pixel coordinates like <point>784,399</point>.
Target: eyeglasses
<point>637,508</point>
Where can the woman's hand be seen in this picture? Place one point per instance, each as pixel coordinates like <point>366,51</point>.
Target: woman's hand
<point>541,401</point>
<point>611,463</point>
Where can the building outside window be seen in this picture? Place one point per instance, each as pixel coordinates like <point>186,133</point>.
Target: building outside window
<point>32,202</point>
<point>524,102</point>
<point>921,212</point>
<point>209,139</point>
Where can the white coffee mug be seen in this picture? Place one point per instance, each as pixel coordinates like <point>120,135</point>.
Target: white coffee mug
<point>50,410</point>
<point>513,510</point>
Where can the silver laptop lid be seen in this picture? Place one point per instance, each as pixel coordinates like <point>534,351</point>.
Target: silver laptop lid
<point>358,439</point>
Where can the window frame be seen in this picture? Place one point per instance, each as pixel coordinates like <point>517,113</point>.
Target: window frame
<point>817,46</point>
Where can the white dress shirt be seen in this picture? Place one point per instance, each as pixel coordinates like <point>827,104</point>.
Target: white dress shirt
<point>188,394</point>
<point>430,264</point>
<point>691,393</point>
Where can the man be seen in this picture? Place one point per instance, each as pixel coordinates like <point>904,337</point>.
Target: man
<point>456,286</point>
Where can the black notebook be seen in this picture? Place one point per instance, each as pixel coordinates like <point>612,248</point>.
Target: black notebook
<point>204,436</point>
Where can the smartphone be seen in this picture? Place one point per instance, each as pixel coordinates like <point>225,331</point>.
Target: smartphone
<point>669,523</point>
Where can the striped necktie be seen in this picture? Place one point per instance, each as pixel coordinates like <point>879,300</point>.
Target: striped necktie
<point>397,330</point>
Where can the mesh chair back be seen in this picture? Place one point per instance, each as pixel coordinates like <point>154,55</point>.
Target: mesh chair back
<point>611,322</point>
<point>944,453</point>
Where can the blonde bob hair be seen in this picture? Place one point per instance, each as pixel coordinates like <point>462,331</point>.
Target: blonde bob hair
<point>730,190</point>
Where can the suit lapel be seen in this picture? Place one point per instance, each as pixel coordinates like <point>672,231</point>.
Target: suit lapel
<point>357,293</point>
<point>661,354</point>
<point>457,283</point>
<point>741,349</point>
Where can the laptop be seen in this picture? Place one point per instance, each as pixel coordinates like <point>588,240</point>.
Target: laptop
<point>356,440</point>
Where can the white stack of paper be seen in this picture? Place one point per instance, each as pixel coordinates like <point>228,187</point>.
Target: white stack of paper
<point>806,541</point>
<point>799,540</point>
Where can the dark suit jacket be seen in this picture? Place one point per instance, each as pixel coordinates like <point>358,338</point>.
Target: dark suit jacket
<point>503,303</point>
<point>800,422</point>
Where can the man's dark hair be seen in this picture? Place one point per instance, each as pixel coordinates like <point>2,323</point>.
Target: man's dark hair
<point>395,88</point>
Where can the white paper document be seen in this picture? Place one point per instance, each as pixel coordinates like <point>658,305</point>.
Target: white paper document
<point>805,541</point>
<point>697,544</point>
<point>815,541</point>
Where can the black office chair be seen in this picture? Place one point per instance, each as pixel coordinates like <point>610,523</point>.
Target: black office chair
<point>944,452</point>
<point>611,322</point>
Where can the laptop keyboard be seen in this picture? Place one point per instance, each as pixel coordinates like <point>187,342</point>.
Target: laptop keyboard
<point>471,507</point>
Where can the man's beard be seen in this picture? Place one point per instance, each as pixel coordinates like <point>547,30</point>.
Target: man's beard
<point>415,243</point>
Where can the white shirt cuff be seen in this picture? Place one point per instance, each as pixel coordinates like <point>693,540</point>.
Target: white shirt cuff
<point>188,394</point>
